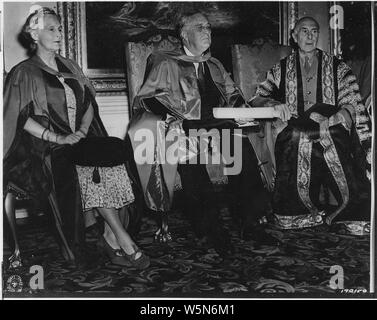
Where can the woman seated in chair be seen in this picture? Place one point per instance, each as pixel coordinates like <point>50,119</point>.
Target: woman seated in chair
<point>49,106</point>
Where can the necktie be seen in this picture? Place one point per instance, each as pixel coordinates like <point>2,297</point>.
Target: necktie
<point>307,65</point>
<point>201,80</point>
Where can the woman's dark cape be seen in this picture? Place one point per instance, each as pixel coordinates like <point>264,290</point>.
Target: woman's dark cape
<point>36,168</point>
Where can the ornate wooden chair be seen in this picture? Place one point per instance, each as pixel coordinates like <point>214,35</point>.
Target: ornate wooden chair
<point>13,199</point>
<point>252,61</point>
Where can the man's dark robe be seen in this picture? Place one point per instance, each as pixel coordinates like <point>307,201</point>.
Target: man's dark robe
<point>171,80</point>
<point>40,169</point>
<point>304,159</point>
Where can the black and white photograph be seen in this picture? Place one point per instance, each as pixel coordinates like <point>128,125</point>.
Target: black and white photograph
<point>188,150</point>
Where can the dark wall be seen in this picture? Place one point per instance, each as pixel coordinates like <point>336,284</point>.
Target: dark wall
<point>110,24</point>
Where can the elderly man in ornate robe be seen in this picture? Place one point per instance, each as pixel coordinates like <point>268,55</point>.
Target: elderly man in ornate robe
<point>324,139</point>
<point>179,92</point>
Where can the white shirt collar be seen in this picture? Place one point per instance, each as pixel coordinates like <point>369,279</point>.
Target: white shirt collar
<point>188,52</point>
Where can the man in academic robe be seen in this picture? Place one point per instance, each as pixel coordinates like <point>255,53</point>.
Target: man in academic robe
<point>178,94</point>
<point>323,140</point>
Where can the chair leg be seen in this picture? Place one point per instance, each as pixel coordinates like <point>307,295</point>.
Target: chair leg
<point>66,251</point>
<point>10,211</point>
<point>163,235</point>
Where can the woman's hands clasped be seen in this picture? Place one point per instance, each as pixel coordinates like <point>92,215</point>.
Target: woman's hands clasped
<point>70,138</point>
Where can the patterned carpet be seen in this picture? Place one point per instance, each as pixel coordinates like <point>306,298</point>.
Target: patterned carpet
<point>300,267</point>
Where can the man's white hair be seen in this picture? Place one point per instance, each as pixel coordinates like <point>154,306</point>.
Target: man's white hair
<point>184,19</point>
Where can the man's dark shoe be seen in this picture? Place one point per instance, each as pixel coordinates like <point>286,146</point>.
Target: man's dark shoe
<point>260,236</point>
<point>220,241</point>
<point>224,249</point>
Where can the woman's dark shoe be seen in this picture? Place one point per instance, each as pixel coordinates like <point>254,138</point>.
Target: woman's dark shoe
<point>116,256</point>
<point>140,261</point>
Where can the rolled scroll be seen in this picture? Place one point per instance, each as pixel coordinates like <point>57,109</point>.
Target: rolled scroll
<point>245,113</point>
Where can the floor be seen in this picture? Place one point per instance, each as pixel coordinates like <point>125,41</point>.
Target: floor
<point>300,267</point>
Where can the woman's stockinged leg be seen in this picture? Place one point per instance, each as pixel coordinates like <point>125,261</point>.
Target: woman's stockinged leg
<point>111,216</point>
<point>110,237</point>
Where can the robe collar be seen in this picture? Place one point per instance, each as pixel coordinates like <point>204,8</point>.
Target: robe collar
<point>74,74</point>
<point>181,55</point>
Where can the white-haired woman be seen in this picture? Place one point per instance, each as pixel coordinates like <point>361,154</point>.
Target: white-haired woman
<point>49,106</point>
